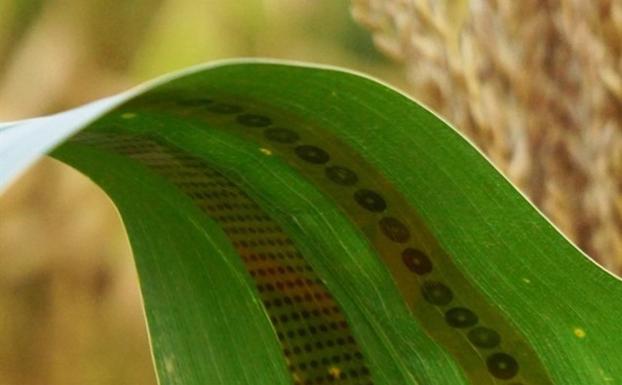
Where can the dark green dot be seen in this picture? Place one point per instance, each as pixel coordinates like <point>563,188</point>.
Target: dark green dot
<point>312,154</point>
<point>460,317</point>
<point>502,366</point>
<point>436,293</point>
<point>281,135</point>
<point>370,200</point>
<point>394,229</point>
<point>253,120</point>
<point>484,337</point>
<point>341,175</point>
<point>416,261</point>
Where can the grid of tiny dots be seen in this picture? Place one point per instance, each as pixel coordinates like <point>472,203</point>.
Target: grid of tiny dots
<point>316,339</point>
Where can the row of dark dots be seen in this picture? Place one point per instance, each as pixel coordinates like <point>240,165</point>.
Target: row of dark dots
<point>138,149</point>
<point>276,287</point>
<point>352,373</point>
<point>275,255</point>
<point>246,218</point>
<point>295,316</point>
<point>500,365</point>
<point>328,379</point>
<point>334,325</point>
<point>281,270</point>
<point>336,358</point>
<point>320,344</point>
<point>347,370</point>
<point>346,357</point>
<point>225,206</point>
<point>292,267</point>
<point>305,314</point>
<point>248,230</point>
<point>292,283</point>
<point>316,324</point>
<point>262,242</point>
<point>266,270</point>
<point>275,270</point>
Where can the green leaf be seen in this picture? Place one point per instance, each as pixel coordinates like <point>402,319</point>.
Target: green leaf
<point>307,225</point>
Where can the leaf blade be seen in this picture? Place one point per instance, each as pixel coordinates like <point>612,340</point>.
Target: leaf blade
<point>481,233</point>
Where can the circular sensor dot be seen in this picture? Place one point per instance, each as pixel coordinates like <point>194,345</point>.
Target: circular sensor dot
<point>460,317</point>
<point>502,366</point>
<point>394,229</point>
<point>484,338</point>
<point>416,261</point>
<point>341,175</point>
<point>223,108</point>
<point>281,135</point>
<point>253,120</point>
<point>436,293</point>
<point>370,200</point>
<point>312,154</point>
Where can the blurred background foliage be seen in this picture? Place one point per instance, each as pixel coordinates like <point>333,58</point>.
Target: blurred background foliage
<point>535,84</point>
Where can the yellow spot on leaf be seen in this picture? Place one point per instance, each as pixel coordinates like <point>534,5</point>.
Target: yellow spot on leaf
<point>297,378</point>
<point>265,151</point>
<point>335,372</point>
<point>169,364</point>
<point>128,115</point>
<point>580,333</point>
